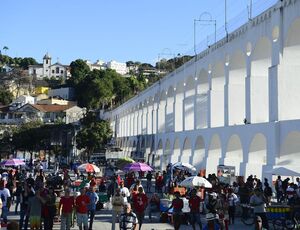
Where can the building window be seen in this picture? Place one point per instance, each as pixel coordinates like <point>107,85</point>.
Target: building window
<point>53,71</point>
<point>57,69</point>
<point>47,61</point>
<point>61,71</point>
<point>34,71</point>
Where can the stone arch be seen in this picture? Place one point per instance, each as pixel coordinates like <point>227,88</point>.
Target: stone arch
<point>199,153</point>
<point>176,151</point>
<point>217,94</point>
<point>186,151</point>
<point>201,103</point>
<point>259,81</point>
<point>288,82</point>
<point>234,153</point>
<point>236,88</point>
<point>214,154</point>
<point>290,149</point>
<point>188,112</point>
<point>170,110</point>
<point>257,156</point>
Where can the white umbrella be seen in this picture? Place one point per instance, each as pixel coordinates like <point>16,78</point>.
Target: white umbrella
<point>88,168</point>
<point>184,166</point>
<point>195,181</point>
<point>120,172</point>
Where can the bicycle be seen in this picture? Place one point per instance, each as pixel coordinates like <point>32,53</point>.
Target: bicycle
<point>248,216</point>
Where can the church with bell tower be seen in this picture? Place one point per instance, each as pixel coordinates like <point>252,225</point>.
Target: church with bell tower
<point>49,70</point>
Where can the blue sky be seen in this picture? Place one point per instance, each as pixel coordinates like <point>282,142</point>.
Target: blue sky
<point>121,30</point>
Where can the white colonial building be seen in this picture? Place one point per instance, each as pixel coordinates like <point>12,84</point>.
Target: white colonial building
<point>49,70</point>
<point>235,104</point>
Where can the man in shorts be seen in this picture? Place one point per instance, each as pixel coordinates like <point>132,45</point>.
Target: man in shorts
<point>82,202</point>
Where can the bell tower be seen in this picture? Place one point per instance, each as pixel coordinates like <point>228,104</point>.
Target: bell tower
<point>46,65</point>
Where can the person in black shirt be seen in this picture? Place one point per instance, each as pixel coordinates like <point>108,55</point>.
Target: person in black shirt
<point>24,196</point>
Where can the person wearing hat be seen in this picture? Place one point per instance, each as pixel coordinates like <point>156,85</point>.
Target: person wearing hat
<point>258,202</point>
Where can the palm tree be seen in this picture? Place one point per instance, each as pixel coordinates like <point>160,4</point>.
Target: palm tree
<point>5,48</point>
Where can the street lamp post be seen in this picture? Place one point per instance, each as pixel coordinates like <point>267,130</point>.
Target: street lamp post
<point>204,22</point>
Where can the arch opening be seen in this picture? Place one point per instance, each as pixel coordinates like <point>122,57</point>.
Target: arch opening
<point>214,154</point>
<point>234,154</point>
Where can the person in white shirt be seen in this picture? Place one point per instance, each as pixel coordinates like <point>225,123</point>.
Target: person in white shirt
<point>124,192</point>
<point>5,198</point>
<point>232,202</point>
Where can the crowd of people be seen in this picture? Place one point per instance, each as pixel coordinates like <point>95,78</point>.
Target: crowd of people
<point>42,199</point>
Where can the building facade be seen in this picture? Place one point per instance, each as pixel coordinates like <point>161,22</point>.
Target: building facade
<point>49,70</point>
<point>235,104</point>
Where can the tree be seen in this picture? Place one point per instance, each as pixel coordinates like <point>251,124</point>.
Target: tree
<point>5,48</point>
<point>79,69</point>
<point>6,96</point>
<point>25,62</point>
<point>94,134</point>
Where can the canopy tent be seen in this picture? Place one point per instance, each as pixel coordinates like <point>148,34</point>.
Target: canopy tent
<point>282,171</point>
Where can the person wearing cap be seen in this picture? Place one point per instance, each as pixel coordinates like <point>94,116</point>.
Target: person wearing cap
<point>94,198</point>
<point>258,201</point>
<point>66,205</point>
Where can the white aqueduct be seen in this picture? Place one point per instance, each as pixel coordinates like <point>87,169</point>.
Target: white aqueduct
<point>196,113</point>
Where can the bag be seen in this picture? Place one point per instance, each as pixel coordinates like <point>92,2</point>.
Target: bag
<point>99,206</point>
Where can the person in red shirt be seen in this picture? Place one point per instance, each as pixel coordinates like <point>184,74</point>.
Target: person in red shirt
<point>140,202</point>
<point>177,205</point>
<point>195,204</point>
<point>66,205</point>
<point>82,203</point>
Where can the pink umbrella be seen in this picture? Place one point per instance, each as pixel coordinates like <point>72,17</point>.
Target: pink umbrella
<point>12,162</point>
<point>137,167</point>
